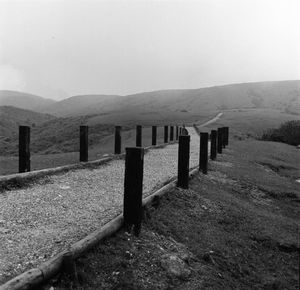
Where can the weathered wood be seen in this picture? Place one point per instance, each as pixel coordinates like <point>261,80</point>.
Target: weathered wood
<point>203,152</point>
<point>166,133</point>
<point>227,136</point>
<point>117,139</point>
<point>138,136</point>
<point>154,135</point>
<point>183,161</point>
<point>25,281</point>
<point>219,141</point>
<point>133,189</point>
<point>84,144</point>
<point>69,267</point>
<point>24,149</point>
<point>177,132</point>
<point>171,133</point>
<point>213,144</point>
<point>223,137</point>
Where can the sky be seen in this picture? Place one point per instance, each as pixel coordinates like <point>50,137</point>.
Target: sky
<point>60,48</point>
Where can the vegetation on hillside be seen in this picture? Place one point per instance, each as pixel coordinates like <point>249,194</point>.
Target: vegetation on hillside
<point>288,132</point>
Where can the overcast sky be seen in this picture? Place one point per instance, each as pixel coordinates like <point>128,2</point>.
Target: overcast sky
<point>62,48</point>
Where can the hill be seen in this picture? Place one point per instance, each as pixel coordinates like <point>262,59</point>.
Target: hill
<point>24,100</point>
<point>183,104</point>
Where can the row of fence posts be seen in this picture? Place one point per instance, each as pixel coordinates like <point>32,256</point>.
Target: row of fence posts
<point>134,162</point>
<point>24,142</point>
<point>134,167</point>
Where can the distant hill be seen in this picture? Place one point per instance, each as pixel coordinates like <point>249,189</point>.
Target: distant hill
<point>170,104</point>
<point>24,100</point>
<point>11,118</point>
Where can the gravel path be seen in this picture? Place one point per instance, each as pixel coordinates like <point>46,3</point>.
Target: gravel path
<point>38,222</point>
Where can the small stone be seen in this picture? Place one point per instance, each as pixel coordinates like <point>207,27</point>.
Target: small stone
<point>175,266</point>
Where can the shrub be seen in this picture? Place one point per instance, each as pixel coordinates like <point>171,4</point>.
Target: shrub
<point>288,132</point>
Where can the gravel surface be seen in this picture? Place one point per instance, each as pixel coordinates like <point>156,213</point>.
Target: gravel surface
<point>38,222</point>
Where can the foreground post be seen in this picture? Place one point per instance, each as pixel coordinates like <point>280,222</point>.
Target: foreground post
<point>171,133</point>
<point>219,141</point>
<point>227,136</point>
<point>203,152</point>
<point>166,133</point>
<point>24,149</point>
<point>183,161</point>
<point>223,137</point>
<point>118,140</point>
<point>133,189</point>
<point>213,144</point>
<point>154,135</point>
<point>138,136</point>
<point>177,132</point>
<point>83,156</point>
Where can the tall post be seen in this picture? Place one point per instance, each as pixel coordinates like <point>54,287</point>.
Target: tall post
<point>83,156</point>
<point>180,131</point>
<point>171,133</point>
<point>166,133</point>
<point>118,140</point>
<point>223,137</point>
<point>183,161</point>
<point>219,141</point>
<point>133,189</point>
<point>227,136</point>
<point>138,136</point>
<point>24,149</point>
<point>203,152</point>
<point>213,144</point>
<point>177,132</point>
<point>154,135</point>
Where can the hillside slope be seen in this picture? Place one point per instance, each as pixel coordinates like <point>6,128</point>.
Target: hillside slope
<point>283,95</point>
<point>24,100</point>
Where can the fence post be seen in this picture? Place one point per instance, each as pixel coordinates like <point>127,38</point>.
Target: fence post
<point>138,136</point>
<point>177,132</point>
<point>180,131</point>
<point>84,144</point>
<point>203,152</point>
<point>154,135</point>
<point>227,135</point>
<point>166,133</point>
<point>117,139</point>
<point>133,189</point>
<point>219,141</point>
<point>213,144</point>
<point>24,149</point>
<point>171,133</point>
<point>183,161</point>
<point>223,137</point>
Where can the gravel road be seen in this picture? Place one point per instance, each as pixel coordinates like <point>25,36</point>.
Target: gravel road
<point>38,222</point>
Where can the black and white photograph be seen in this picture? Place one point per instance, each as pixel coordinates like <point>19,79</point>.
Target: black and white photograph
<point>149,144</point>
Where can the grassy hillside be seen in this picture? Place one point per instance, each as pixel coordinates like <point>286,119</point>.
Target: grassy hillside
<point>283,95</point>
<point>235,228</point>
<point>24,100</point>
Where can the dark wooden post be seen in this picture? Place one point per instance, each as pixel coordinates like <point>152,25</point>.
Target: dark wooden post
<point>203,152</point>
<point>118,140</point>
<point>183,161</point>
<point>219,141</point>
<point>171,133</point>
<point>138,136</point>
<point>227,136</point>
<point>133,189</point>
<point>24,149</point>
<point>154,135</point>
<point>177,132</point>
<point>180,131</point>
<point>166,133</point>
<point>213,144</point>
<point>84,144</point>
<point>223,137</point>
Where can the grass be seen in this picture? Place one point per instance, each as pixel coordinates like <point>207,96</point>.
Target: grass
<point>235,228</point>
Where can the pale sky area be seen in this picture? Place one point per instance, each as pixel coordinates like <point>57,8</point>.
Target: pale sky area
<point>57,49</point>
